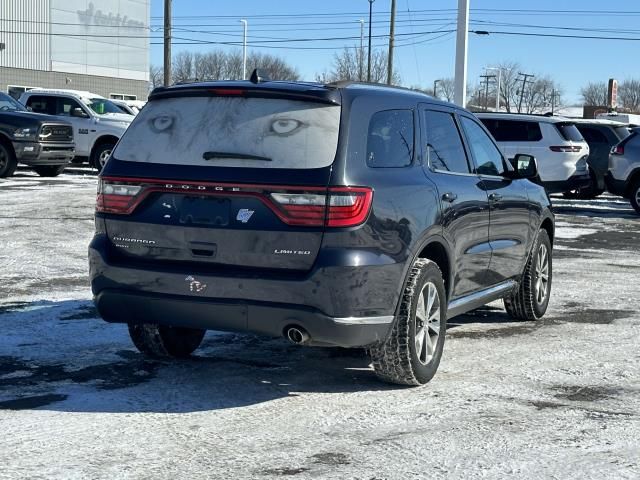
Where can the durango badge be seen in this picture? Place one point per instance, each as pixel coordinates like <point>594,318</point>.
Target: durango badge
<point>244,214</point>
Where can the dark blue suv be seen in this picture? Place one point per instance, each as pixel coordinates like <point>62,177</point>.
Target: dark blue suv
<point>345,215</point>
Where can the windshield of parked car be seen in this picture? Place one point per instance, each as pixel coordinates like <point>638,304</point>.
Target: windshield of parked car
<point>233,132</point>
<point>7,103</point>
<point>102,106</point>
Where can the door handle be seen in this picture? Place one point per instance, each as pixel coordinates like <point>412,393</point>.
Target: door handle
<point>449,197</point>
<point>495,197</point>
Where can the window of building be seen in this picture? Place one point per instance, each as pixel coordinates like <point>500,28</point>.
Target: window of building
<point>444,147</point>
<point>487,157</point>
<point>390,139</point>
<point>513,130</point>
<point>122,96</point>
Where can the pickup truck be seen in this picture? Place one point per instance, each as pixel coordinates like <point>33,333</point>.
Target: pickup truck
<point>40,141</point>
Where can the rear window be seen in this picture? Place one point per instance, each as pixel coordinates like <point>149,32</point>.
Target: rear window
<point>233,132</point>
<point>622,132</point>
<point>569,132</point>
<point>513,130</point>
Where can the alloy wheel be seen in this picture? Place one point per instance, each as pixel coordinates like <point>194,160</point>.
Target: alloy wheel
<point>542,274</point>
<point>104,156</point>
<point>427,323</point>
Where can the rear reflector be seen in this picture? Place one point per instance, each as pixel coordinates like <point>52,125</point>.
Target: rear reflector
<point>294,205</point>
<point>566,148</point>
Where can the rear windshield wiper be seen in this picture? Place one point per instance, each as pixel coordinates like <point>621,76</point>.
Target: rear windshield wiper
<point>234,156</point>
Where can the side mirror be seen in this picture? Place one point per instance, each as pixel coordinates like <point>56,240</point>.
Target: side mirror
<point>29,109</point>
<point>78,112</point>
<point>525,166</point>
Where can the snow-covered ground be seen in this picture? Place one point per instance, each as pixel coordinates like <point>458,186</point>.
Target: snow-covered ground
<point>559,398</point>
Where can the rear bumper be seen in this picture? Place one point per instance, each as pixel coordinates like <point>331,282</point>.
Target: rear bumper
<point>574,182</point>
<point>337,304</point>
<point>615,186</point>
<point>34,153</point>
<point>262,318</point>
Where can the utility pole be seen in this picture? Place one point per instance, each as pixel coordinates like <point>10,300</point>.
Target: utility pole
<point>554,94</point>
<point>369,53</point>
<point>167,43</point>
<point>525,77</point>
<point>392,27</point>
<point>361,55</point>
<point>244,50</point>
<point>461,53</point>
<point>435,84</point>
<point>486,90</point>
<point>499,70</point>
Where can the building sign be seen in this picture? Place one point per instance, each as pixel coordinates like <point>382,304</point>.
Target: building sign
<point>612,93</point>
<point>93,17</point>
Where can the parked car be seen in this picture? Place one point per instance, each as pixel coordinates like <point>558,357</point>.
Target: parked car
<point>40,141</point>
<point>555,142</point>
<point>125,107</point>
<point>344,214</point>
<point>623,177</point>
<point>97,122</point>
<point>601,135</point>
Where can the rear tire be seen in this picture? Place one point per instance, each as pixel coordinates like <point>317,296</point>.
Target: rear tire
<point>531,299</point>
<point>49,170</point>
<point>101,154</point>
<point>586,193</point>
<point>8,162</point>
<point>412,352</point>
<point>634,195</point>
<point>160,341</point>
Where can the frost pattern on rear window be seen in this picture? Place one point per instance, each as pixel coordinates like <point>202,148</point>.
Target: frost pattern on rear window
<point>291,134</point>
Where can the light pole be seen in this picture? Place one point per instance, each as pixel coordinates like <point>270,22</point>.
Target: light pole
<point>361,54</point>
<point>167,43</point>
<point>369,53</point>
<point>461,53</point>
<point>499,70</point>
<point>435,85</point>
<point>244,50</point>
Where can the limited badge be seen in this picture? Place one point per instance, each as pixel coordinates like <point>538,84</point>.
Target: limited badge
<point>244,214</point>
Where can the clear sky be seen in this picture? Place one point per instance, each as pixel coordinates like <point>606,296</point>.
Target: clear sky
<point>423,54</point>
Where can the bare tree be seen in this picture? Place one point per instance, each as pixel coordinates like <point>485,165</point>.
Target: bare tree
<point>275,67</point>
<point>182,67</point>
<point>594,94</point>
<point>445,89</point>
<point>156,76</point>
<point>541,95</point>
<point>346,67</point>
<point>629,95</point>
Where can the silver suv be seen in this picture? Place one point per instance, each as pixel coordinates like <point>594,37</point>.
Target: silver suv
<point>623,177</point>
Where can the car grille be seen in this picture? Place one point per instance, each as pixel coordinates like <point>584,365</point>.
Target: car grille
<point>56,133</point>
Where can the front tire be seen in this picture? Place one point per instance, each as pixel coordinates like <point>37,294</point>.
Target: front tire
<point>634,196</point>
<point>49,170</point>
<point>8,162</point>
<point>412,352</point>
<point>101,154</point>
<point>531,299</point>
<point>160,341</point>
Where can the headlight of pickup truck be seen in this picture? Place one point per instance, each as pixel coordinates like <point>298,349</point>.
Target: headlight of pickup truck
<point>26,133</point>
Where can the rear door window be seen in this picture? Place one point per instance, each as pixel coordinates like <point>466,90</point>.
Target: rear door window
<point>233,132</point>
<point>444,149</point>
<point>569,132</point>
<point>513,130</point>
<point>390,139</point>
<point>42,104</point>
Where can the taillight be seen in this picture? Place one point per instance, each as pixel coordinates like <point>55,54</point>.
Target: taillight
<point>565,148</point>
<point>294,205</point>
<point>340,207</point>
<point>618,150</point>
<point>117,197</point>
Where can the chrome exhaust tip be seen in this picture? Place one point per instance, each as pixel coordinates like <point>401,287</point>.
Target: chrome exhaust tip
<point>297,335</point>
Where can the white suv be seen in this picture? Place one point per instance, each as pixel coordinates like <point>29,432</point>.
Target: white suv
<point>97,122</point>
<point>555,142</point>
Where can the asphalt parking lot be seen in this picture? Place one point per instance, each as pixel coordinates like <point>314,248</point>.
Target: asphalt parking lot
<point>558,398</point>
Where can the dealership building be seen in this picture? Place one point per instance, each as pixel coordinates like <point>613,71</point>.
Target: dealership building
<point>101,46</point>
